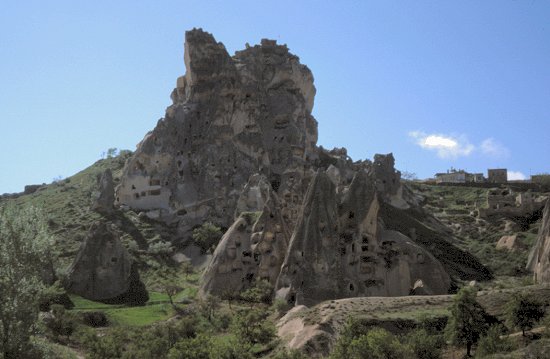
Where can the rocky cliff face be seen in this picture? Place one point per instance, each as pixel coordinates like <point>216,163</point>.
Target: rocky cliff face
<point>254,247</point>
<point>340,249</point>
<point>231,117</point>
<point>539,258</point>
<point>238,148</point>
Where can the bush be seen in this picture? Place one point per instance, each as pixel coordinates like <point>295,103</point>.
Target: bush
<point>55,294</point>
<point>423,345</point>
<point>230,349</point>
<point>59,323</point>
<point>191,348</point>
<point>261,292</point>
<point>95,319</point>
<point>281,306</point>
<point>251,327</point>
<point>207,236</point>
<point>492,343</point>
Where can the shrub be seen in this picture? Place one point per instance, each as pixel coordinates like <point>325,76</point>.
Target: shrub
<point>492,343</point>
<point>207,236</point>
<point>191,348</point>
<point>95,319</point>
<point>261,292</point>
<point>251,326</point>
<point>424,345</point>
<point>59,323</point>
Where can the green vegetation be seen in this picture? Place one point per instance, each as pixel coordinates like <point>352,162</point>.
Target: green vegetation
<point>357,341</point>
<point>24,254</point>
<point>468,320</point>
<point>493,342</point>
<point>524,311</point>
<point>207,236</point>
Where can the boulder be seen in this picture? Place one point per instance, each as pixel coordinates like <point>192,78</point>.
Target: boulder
<point>104,271</point>
<point>510,243</point>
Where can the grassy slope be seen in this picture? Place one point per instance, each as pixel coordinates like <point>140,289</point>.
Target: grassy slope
<point>453,207</point>
<point>67,205</point>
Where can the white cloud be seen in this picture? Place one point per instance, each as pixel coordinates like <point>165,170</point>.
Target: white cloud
<point>446,146</point>
<point>516,175</point>
<point>493,148</point>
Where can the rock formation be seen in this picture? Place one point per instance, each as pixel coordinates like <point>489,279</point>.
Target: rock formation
<point>255,245</point>
<point>231,117</point>
<point>339,249</point>
<point>539,258</point>
<point>238,148</point>
<point>104,271</point>
<point>106,196</point>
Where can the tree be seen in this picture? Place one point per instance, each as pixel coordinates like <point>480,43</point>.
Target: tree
<point>251,326</point>
<point>187,268</point>
<point>523,312</point>
<point>208,306</point>
<point>261,292</point>
<point>468,320</point>
<point>168,281</point>
<point>24,243</point>
<point>207,236</point>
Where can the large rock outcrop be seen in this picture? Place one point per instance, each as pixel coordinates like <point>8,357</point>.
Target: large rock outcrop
<point>238,148</point>
<point>232,116</point>
<point>340,249</point>
<point>539,258</point>
<point>255,245</point>
<point>104,271</point>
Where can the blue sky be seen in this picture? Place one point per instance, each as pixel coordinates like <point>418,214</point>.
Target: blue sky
<point>438,83</point>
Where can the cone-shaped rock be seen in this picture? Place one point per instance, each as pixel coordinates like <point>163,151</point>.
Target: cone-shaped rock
<point>103,269</point>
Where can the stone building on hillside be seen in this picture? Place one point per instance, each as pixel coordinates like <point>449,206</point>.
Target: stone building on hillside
<point>505,202</point>
<point>459,176</point>
<point>497,175</point>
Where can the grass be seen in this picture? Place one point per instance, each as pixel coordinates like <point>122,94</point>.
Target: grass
<point>140,316</point>
<point>157,309</point>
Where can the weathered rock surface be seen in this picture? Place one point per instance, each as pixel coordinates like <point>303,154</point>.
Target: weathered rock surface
<point>238,148</point>
<point>106,196</point>
<point>255,245</point>
<point>539,258</point>
<point>231,117</point>
<point>339,249</point>
<point>104,271</point>
<point>510,243</point>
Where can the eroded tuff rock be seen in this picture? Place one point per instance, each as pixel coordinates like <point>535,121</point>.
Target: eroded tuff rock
<point>539,258</point>
<point>106,196</point>
<point>104,271</point>
<point>340,249</point>
<point>238,148</point>
<point>232,116</point>
<point>255,245</point>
